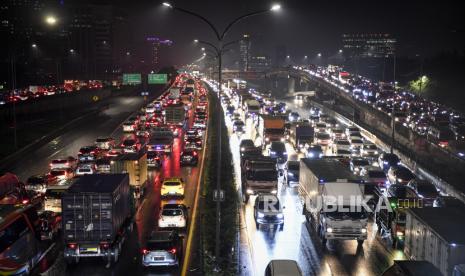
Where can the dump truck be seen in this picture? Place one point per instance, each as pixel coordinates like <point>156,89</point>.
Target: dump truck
<point>135,165</point>
<point>301,135</point>
<point>259,175</point>
<point>271,128</point>
<point>329,192</point>
<point>96,217</point>
<point>175,115</point>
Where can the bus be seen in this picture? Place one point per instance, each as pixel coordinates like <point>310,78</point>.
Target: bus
<point>20,249</point>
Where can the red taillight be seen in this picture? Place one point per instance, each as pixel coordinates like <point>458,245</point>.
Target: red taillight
<point>144,251</point>
<point>25,201</point>
<point>72,245</point>
<point>173,251</point>
<point>51,164</point>
<point>104,245</point>
<point>195,153</point>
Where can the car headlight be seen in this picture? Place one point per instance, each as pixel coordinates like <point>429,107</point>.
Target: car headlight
<point>267,139</point>
<point>399,233</point>
<point>376,152</point>
<point>385,162</point>
<point>356,169</point>
<point>280,216</point>
<point>260,215</point>
<point>290,174</point>
<point>282,139</point>
<point>321,155</point>
<point>272,152</point>
<point>242,149</point>
<point>249,191</point>
<point>364,230</point>
<point>329,230</point>
<point>274,192</point>
<point>399,179</point>
<point>311,154</point>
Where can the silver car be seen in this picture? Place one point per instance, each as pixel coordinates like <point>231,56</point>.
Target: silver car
<point>163,248</point>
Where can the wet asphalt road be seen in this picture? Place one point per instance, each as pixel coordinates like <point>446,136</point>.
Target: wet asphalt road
<point>108,123</point>
<point>298,241</point>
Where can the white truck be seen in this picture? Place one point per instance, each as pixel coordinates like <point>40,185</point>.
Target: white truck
<point>436,235</point>
<point>330,191</point>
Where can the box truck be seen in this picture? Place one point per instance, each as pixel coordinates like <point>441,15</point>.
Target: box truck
<point>330,191</point>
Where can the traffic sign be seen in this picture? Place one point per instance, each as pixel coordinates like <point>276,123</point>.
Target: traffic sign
<point>157,78</point>
<point>132,79</point>
<point>218,196</point>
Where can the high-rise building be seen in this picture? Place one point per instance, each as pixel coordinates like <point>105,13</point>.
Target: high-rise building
<point>280,56</point>
<point>244,50</point>
<point>155,47</point>
<point>260,63</point>
<point>368,45</point>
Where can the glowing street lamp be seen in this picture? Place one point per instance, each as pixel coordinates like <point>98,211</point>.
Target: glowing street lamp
<point>51,20</point>
<point>275,7</point>
<point>340,51</point>
<point>166,4</point>
<point>319,54</point>
<point>34,45</point>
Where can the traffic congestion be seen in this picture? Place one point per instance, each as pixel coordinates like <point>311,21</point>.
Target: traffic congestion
<point>279,146</point>
<point>128,193</point>
<point>441,125</point>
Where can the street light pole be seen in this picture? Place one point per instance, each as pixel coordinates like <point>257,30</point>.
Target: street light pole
<point>219,50</point>
<point>393,121</point>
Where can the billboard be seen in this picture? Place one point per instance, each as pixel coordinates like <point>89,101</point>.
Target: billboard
<point>132,79</point>
<point>157,78</point>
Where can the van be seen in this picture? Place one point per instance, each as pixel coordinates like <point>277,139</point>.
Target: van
<point>283,268</point>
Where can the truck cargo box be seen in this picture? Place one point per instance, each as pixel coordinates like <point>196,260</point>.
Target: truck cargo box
<point>95,208</point>
<point>436,235</point>
<point>134,164</point>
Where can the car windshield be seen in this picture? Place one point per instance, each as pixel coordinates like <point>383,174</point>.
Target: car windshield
<point>102,140</point>
<point>59,161</point>
<point>129,142</point>
<point>57,173</point>
<point>360,162</point>
<point>262,175</point>
<point>343,142</point>
<point>278,147</point>
<point>159,245</point>
<point>404,173</point>
<point>171,212</point>
<point>357,141</point>
<point>274,131</point>
<point>376,174</point>
<point>427,190</point>
<point>54,193</point>
<point>346,215</point>
<point>171,183</point>
<point>322,136</point>
<point>271,205</point>
<point>35,180</point>
<point>293,166</point>
<point>337,130</point>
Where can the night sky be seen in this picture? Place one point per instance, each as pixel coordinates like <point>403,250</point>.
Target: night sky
<point>305,27</point>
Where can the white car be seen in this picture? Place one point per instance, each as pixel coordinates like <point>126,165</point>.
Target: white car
<point>341,145</point>
<point>150,108</point>
<point>83,169</point>
<point>320,127</point>
<point>351,130</point>
<point>356,144</point>
<point>128,127</point>
<point>375,175</point>
<point>173,216</point>
<point>199,124</point>
<point>63,163</point>
<point>105,143</point>
<point>173,186</point>
<point>369,149</point>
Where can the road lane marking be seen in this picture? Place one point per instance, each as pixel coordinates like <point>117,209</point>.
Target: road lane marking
<point>194,212</point>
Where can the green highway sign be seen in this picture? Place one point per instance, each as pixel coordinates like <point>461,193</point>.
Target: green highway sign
<point>132,79</point>
<point>157,78</point>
